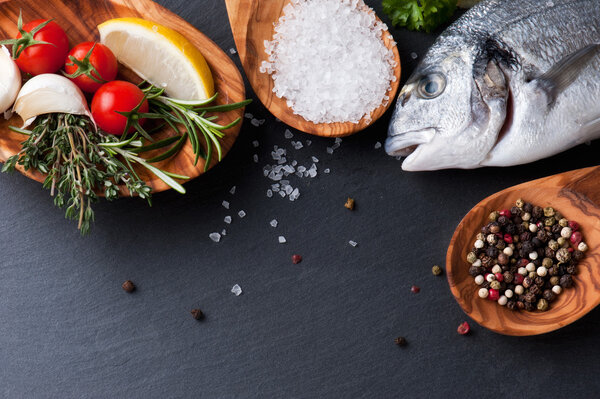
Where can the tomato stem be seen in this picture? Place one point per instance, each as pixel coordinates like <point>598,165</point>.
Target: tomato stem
<point>26,40</point>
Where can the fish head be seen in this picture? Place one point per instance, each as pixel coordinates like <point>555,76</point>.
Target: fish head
<point>440,117</point>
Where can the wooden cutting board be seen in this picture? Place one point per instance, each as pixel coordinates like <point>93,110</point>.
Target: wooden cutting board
<point>79,19</point>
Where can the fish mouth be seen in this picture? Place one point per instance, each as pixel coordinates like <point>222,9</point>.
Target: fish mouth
<point>405,143</point>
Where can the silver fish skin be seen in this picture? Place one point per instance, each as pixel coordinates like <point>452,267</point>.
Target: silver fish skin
<point>510,82</point>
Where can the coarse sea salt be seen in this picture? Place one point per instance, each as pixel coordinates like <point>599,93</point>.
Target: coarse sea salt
<point>328,60</point>
<point>237,290</point>
<point>216,237</point>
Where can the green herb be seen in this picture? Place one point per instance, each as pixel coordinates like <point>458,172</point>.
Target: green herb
<point>418,15</point>
<point>81,162</point>
<point>191,116</point>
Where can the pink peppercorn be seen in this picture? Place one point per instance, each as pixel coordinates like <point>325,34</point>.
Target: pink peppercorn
<point>576,238</point>
<point>508,239</point>
<point>414,289</point>
<point>463,328</point>
<point>518,278</point>
<point>523,262</point>
<point>505,212</point>
<point>570,250</point>
<point>493,295</point>
<point>573,225</point>
<point>499,277</point>
<point>296,259</point>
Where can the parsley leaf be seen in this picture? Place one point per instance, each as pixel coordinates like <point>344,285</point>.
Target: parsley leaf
<point>419,14</point>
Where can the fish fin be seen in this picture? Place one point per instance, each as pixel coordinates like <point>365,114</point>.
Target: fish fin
<point>565,71</point>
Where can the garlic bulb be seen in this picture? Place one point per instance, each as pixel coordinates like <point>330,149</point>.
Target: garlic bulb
<point>10,80</point>
<point>50,93</point>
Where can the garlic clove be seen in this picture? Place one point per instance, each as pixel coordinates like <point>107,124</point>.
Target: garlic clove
<point>49,93</point>
<point>10,81</point>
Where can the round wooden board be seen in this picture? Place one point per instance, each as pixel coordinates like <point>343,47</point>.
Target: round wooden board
<point>576,195</point>
<point>79,19</point>
<point>252,22</point>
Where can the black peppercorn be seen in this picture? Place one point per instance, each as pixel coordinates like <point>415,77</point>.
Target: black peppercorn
<point>577,255</point>
<point>556,229</point>
<point>572,269</point>
<point>475,270</point>
<point>541,235</point>
<point>529,306</point>
<point>530,297</point>
<point>549,253</point>
<point>515,211</point>
<point>197,314</point>
<point>128,286</point>
<point>537,262</point>
<point>508,277</point>
<point>492,252</point>
<point>534,289</point>
<point>539,281</point>
<point>537,242</point>
<point>502,259</point>
<point>566,281</point>
<point>527,282</point>
<point>511,305</point>
<point>525,236</point>
<point>527,247</point>
<point>549,295</point>
<point>400,341</point>
<point>527,207</point>
<point>501,245</point>
<point>487,261</point>
<point>537,212</point>
<point>494,228</point>
<point>511,229</point>
<point>520,304</point>
<point>553,271</point>
<point>502,221</point>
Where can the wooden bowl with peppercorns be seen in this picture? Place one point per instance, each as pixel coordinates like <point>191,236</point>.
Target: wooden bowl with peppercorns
<point>576,196</point>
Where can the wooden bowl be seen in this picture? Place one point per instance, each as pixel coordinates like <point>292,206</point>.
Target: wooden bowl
<point>252,22</point>
<point>79,19</point>
<point>576,195</point>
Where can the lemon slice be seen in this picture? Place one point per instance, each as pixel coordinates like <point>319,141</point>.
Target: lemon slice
<point>159,55</point>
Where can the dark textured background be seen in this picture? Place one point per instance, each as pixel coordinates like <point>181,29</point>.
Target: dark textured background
<point>323,328</point>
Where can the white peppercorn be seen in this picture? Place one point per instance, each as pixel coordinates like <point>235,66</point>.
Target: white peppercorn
<point>479,279</point>
<point>526,216</point>
<point>566,232</point>
<point>483,293</point>
<point>582,246</point>
<point>542,271</point>
<point>496,269</point>
<point>519,289</point>
<point>478,244</point>
<point>490,277</point>
<point>530,267</point>
<point>477,263</point>
<point>533,227</point>
<point>533,255</point>
<point>508,251</point>
<point>509,293</point>
<point>502,300</point>
<point>557,289</point>
<point>522,271</point>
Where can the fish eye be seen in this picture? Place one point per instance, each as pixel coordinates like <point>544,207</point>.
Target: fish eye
<point>431,86</point>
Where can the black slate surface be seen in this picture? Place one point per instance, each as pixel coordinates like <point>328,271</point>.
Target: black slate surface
<point>322,328</point>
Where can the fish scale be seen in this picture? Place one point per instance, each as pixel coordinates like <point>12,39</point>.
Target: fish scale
<point>532,116</point>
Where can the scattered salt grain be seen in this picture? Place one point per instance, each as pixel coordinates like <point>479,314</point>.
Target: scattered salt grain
<point>248,115</point>
<point>327,170</point>
<point>282,240</point>
<point>232,190</point>
<point>269,193</point>
<point>255,143</point>
<point>413,55</point>
<point>315,159</point>
<point>232,51</point>
<point>288,134</point>
<point>255,158</point>
<point>237,290</point>
<point>216,237</point>
<point>241,214</point>
<point>328,60</point>
<point>308,142</point>
<point>329,150</point>
<point>227,219</point>
<point>273,223</point>
<point>377,145</point>
<point>225,204</point>
<point>254,122</point>
<point>353,243</point>
<point>338,140</point>
<point>224,232</point>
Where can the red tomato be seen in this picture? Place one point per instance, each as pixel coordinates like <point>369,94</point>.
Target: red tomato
<point>116,96</point>
<point>99,63</point>
<point>43,58</point>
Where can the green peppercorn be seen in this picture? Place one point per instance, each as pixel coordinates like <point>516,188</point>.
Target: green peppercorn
<point>563,255</point>
<point>563,222</point>
<point>542,305</point>
<point>471,257</point>
<point>480,236</point>
<point>519,203</point>
<point>548,211</point>
<point>526,225</point>
<point>532,275</point>
<point>554,280</point>
<point>562,241</point>
<point>552,244</point>
<point>550,221</point>
<point>547,263</point>
<point>494,216</point>
<point>436,270</point>
<point>495,284</point>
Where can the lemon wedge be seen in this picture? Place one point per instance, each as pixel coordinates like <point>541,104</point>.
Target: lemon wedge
<point>159,55</point>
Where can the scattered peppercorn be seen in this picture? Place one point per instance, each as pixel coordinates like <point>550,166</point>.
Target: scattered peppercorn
<point>463,328</point>
<point>128,286</point>
<point>400,341</point>
<point>197,314</point>
<point>436,270</point>
<point>296,259</point>
<point>349,203</point>
<point>525,256</point>
<point>414,289</point>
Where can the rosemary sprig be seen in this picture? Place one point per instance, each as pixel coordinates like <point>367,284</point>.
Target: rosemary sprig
<point>80,162</point>
<point>191,115</point>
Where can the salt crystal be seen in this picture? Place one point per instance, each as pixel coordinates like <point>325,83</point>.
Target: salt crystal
<point>232,51</point>
<point>255,158</point>
<point>338,140</point>
<point>335,146</point>
<point>269,193</point>
<point>308,142</point>
<point>273,223</point>
<point>216,237</point>
<point>227,219</point>
<point>301,169</point>
<point>282,193</point>
<point>377,145</point>
<point>241,214</point>
<point>248,115</point>
<point>327,170</point>
<point>224,232</point>
<point>282,240</point>
<point>254,122</point>
<point>353,243</point>
<point>225,204</point>
<point>261,122</point>
<point>315,159</point>
<point>237,290</point>
<point>288,134</point>
<point>255,143</point>
<point>329,150</point>
<point>232,190</point>
<point>413,55</point>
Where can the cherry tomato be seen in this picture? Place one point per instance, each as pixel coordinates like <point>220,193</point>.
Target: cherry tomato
<point>116,96</point>
<point>92,65</point>
<point>43,58</point>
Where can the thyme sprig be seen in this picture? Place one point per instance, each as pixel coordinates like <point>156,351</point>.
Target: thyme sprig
<point>191,116</point>
<point>81,162</point>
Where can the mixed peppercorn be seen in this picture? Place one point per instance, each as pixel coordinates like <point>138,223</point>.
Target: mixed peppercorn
<point>525,256</point>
